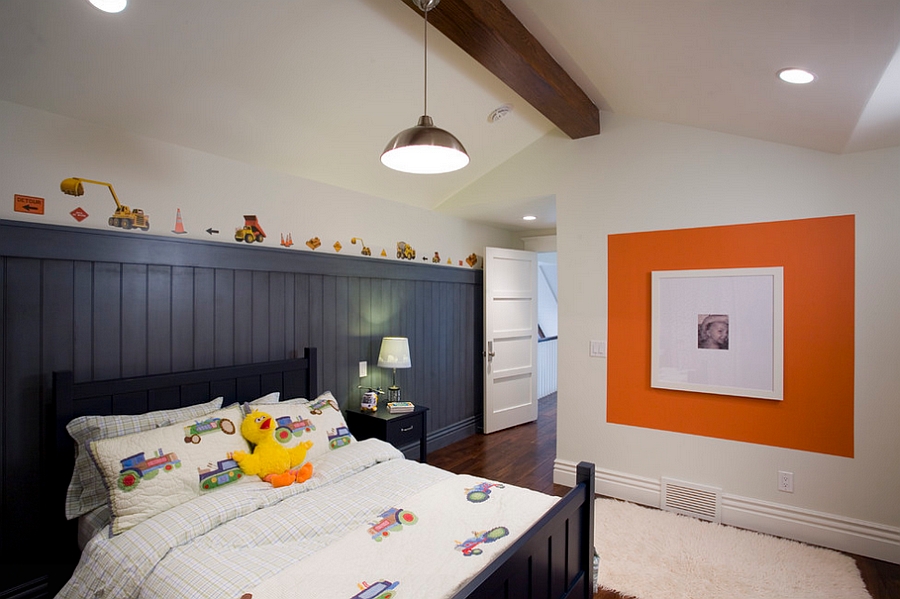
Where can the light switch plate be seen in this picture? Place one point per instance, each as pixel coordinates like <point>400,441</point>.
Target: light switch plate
<point>598,349</point>
<point>363,369</point>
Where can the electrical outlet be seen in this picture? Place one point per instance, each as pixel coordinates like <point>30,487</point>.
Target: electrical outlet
<point>363,369</point>
<point>785,481</point>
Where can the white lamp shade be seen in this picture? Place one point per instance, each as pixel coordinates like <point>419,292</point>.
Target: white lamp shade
<point>394,353</point>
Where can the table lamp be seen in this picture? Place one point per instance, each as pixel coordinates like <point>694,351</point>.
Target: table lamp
<point>394,354</point>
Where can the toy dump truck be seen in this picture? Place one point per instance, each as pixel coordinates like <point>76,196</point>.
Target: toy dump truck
<point>251,231</point>
<point>124,217</point>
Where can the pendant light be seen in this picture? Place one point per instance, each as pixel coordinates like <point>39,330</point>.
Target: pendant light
<point>425,149</point>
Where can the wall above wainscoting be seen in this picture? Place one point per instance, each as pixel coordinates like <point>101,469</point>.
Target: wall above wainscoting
<point>110,304</point>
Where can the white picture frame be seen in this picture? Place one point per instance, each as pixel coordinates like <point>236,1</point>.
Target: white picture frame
<point>690,311</point>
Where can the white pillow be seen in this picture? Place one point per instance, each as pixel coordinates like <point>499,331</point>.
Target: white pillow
<point>150,472</point>
<point>319,421</point>
<point>86,491</point>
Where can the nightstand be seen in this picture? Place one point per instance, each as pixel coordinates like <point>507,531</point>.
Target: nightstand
<point>397,429</point>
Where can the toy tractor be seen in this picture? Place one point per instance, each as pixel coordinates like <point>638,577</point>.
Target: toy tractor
<point>251,231</point>
<point>124,217</point>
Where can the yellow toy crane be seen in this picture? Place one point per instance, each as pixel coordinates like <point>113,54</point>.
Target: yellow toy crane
<point>124,217</point>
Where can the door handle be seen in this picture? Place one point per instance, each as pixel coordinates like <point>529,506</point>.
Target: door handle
<point>490,352</point>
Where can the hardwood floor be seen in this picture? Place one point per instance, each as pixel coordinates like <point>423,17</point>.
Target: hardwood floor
<point>524,456</point>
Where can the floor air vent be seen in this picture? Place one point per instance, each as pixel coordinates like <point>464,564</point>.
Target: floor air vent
<point>691,499</point>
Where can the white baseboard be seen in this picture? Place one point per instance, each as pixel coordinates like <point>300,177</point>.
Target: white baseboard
<point>817,528</point>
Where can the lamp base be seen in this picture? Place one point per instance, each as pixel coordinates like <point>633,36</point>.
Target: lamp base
<point>393,393</point>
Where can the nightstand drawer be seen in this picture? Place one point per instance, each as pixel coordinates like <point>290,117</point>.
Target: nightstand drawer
<point>405,431</point>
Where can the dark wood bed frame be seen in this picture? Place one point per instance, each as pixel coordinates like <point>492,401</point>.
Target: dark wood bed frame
<point>553,559</point>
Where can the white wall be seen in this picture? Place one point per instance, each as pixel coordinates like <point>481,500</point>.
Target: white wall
<point>39,149</point>
<point>640,175</point>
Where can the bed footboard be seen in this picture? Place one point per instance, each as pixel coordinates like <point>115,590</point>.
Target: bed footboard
<point>554,558</point>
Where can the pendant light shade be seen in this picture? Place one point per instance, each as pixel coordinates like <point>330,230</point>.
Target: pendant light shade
<point>425,149</point>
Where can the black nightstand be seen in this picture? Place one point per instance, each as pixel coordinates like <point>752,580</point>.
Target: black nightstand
<point>397,429</point>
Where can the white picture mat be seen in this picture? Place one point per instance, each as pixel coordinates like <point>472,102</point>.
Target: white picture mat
<point>753,301</point>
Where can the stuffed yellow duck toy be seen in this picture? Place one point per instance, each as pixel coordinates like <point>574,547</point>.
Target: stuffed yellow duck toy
<point>270,460</point>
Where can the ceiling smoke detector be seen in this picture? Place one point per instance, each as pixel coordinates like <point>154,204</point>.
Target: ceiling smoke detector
<point>499,112</point>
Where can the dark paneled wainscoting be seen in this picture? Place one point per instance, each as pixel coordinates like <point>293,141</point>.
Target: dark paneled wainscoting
<point>110,304</point>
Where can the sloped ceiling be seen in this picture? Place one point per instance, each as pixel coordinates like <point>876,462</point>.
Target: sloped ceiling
<point>316,88</point>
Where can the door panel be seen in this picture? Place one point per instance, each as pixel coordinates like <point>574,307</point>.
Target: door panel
<point>510,284</point>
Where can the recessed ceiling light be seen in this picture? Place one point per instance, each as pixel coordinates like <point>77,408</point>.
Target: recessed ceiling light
<point>794,75</point>
<point>110,5</point>
<point>529,217</point>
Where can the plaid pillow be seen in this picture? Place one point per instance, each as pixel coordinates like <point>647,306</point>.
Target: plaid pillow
<point>86,491</point>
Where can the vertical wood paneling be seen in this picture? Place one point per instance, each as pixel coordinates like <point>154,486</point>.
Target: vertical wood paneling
<point>22,408</point>
<point>134,319</point>
<point>260,317</point>
<point>204,318</point>
<point>159,320</point>
<point>57,316</point>
<point>315,316</point>
<point>4,397</point>
<point>287,333</point>
<point>83,315</point>
<point>224,317</point>
<point>330,314</point>
<point>105,319</point>
<point>243,321</point>
<point>343,358</point>
<point>303,311</point>
<point>276,316</point>
<point>182,318</point>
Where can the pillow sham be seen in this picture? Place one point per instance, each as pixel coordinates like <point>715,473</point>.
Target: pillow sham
<point>147,473</point>
<point>86,491</point>
<point>272,397</point>
<point>319,421</point>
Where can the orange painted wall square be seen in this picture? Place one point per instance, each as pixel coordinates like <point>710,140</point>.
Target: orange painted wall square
<point>818,258</point>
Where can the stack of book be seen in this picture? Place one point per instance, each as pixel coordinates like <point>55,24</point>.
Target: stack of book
<point>400,407</point>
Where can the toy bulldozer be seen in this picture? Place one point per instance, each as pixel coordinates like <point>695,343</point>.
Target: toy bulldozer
<point>124,217</point>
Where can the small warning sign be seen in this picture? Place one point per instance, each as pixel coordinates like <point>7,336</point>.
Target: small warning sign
<point>79,214</point>
<point>29,204</point>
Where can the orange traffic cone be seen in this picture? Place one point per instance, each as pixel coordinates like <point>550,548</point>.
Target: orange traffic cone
<point>179,226</point>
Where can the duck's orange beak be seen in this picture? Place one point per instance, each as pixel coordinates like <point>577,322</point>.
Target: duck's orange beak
<point>266,424</point>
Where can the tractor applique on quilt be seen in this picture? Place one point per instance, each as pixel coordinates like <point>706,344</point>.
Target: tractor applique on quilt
<point>137,467</point>
<point>379,590</point>
<point>471,546</point>
<point>391,520</point>
<point>193,432</point>
<point>481,492</point>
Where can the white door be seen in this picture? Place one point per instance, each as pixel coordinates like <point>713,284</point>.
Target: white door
<point>510,338</point>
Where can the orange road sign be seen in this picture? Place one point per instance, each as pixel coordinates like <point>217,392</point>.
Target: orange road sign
<point>29,204</point>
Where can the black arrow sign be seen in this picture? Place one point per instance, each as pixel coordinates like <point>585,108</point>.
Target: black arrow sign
<point>211,231</point>
<point>29,207</point>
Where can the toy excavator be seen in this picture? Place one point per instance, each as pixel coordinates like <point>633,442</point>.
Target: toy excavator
<point>124,217</point>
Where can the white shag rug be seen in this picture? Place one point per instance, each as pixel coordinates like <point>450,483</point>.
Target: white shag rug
<point>653,554</point>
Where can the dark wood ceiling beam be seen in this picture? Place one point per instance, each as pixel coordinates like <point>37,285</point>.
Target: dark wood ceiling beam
<point>491,34</point>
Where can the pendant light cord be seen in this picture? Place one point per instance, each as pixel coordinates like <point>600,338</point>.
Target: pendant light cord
<point>425,91</point>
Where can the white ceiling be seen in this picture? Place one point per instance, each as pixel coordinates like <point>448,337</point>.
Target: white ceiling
<point>316,88</point>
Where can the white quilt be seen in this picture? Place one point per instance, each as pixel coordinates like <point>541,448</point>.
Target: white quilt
<point>427,546</point>
<point>235,539</point>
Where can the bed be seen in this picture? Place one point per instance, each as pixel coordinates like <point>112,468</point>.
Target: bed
<point>364,505</point>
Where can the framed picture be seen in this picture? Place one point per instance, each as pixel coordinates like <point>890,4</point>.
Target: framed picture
<point>719,331</point>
